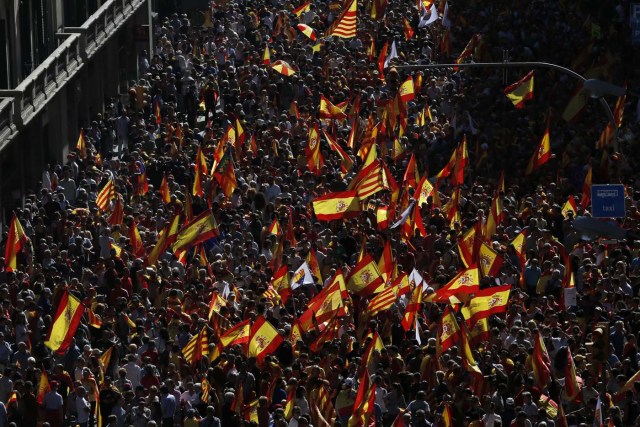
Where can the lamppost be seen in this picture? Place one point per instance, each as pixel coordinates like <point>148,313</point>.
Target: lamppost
<point>596,88</point>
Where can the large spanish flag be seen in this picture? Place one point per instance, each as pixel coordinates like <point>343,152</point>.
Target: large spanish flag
<point>520,91</point>
<point>407,90</point>
<point>264,339</point>
<point>16,239</point>
<point>65,323</point>
<point>201,229</point>
<point>486,302</point>
<point>332,206</point>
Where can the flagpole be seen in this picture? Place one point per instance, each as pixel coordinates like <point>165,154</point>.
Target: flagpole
<point>605,88</point>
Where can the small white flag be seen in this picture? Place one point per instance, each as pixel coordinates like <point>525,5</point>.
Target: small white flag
<point>392,54</point>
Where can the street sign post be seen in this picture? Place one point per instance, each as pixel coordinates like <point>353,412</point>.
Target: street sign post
<point>607,201</point>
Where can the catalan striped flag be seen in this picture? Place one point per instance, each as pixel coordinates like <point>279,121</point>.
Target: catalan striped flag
<point>106,195</point>
<point>345,24</point>
<point>197,347</point>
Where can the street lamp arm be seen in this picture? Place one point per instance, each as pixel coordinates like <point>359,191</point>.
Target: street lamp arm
<point>596,87</point>
<point>494,65</point>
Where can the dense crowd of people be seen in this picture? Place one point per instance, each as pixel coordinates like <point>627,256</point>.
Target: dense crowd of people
<point>126,364</point>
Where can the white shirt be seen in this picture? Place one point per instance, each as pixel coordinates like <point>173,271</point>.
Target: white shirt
<point>490,419</point>
<point>133,373</point>
<point>83,409</point>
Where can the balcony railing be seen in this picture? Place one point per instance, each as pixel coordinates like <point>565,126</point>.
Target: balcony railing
<point>18,106</point>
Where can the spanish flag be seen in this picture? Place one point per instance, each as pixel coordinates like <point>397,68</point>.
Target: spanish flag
<point>569,206</point>
<point>325,304</point>
<point>216,304</point>
<point>156,110</point>
<point>365,279</point>
<point>346,162</point>
<point>224,173</point>
<point>201,229</point>
<point>385,263</point>
<point>283,68</point>
<point>486,303</point>
<point>315,160</point>
<point>466,247</point>
<point>167,233</point>
<point>540,362</point>
<point>330,111</point>
<point>541,155</point>
<point>65,323</point>
<point>137,247</point>
<point>585,199</point>
<point>408,30</point>
<point>520,91</point>
<point>411,175</point>
<point>490,261</point>
<point>16,239</point>
<point>197,189</point>
<point>275,228</point>
<point>407,90</point>
<point>280,282</point>
<point>241,136</point>
<point>264,339</point>
<point>238,335</point>
<point>197,347</point>
<point>462,285</point>
<point>304,7</point>
<point>312,262</point>
<point>448,329</point>
<point>43,387</point>
<point>571,386</point>
<point>333,206</point>
<point>81,145</point>
<point>412,308</point>
<point>164,190</point>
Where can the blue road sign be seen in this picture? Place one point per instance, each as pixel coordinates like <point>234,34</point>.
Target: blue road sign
<point>607,201</point>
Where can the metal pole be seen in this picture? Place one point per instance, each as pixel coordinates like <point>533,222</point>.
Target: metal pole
<point>150,12</point>
<point>556,67</point>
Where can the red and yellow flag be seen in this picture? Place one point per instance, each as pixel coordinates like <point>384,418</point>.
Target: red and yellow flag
<point>408,30</point>
<point>283,68</point>
<point>137,247</point>
<point>333,206</point>
<point>382,301</point>
<point>541,155</point>
<point>365,278</point>
<point>572,388</point>
<point>81,145</point>
<point>197,347</point>
<point>344,26</point>
<point>490,261</point>
<point>462,285</point>
<point>315,160</point>
<point>43,387</point>
<point>16,239</point>
<point>325,304</point>
<point>106,195</point>
<point>412,308</point>
<point>264,339</point>
<point>448,329</point>
<point>520,91</point>
<point>407,90</point>
<point>304,7</point>
<point>65,323</point>
<point>224,173</point>
<point>164,190</point>
<point>585,199</point>
<point>364,403</point>
<point>486,303</point>
<point>540,362</point>
<point>200,229</point>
